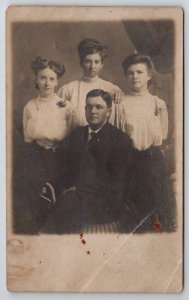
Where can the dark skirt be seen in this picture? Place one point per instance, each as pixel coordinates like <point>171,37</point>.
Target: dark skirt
<point>36,167</point>
<point>151,205</point>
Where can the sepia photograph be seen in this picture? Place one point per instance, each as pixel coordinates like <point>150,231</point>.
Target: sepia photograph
<point>94,149</point>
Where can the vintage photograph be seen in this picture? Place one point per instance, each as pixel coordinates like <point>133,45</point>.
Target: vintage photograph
<point>94,143</point>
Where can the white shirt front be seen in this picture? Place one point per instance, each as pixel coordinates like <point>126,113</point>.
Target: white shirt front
<point>92,131</point>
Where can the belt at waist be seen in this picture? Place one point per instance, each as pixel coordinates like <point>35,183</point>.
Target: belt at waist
<point>35,144</point>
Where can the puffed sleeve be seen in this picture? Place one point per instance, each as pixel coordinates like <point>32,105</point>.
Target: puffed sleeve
<point>116,88</point>
<point>119,116</point>
<point>64,92</point>
<point>117,94</point>
<point>26,114</point>
<point>117,97</point>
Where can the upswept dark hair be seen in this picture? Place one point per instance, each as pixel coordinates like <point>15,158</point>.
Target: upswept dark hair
<point>100,93</point>
<point>91,46</point>
<point>137,59</point>
<point>41,63</point>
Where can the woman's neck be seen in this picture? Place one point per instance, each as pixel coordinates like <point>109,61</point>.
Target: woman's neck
<point>139,92</point>
<point>46,97</point>
<point>88,79</point>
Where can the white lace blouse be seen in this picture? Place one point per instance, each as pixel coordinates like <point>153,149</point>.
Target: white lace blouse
<point>76,91</point>
<point>144,117</point>
<point>46,121</point>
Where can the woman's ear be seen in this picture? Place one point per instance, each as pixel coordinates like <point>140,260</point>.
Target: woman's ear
<point>36,84</point>
<point>149,75</point>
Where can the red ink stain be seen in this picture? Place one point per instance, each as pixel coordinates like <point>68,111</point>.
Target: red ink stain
<point>81,235</point>
<point>157,225</point>
<point>88,252</point>
<point>83,241</point>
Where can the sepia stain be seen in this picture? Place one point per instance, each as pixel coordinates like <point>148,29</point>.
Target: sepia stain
<point>103,253</point>
<point>157,225</point>
<point>81,238</point>
<point>83,241</point>
<point>18,272</point>
<point>16,246</point>
<point>15,243</point>
<point>88,252</point>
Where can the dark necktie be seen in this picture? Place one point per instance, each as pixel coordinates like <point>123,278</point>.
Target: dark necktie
<point>93,135</point>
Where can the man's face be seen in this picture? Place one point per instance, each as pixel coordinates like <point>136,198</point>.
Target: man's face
<point>96,111</point>
<point>92,65</point>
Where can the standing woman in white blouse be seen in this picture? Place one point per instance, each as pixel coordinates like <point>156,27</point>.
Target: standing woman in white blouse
<point>144,117</point>
<point>46,122</point>
<point>92,54</point>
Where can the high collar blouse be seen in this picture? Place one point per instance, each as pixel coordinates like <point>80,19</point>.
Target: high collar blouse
<point>46,120</point>
<point>144,118</point>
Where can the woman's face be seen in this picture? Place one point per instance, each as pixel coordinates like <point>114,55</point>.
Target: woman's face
<point>138,76</point>
<point>92,65</point>
<point>47,81</point>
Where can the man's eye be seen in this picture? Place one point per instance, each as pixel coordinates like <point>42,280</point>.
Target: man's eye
<point>99,107</point>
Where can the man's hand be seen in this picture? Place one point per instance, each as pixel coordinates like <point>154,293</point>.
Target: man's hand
<point>48,194</point>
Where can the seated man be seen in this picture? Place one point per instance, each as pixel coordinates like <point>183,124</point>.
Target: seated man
<point>96,165</point>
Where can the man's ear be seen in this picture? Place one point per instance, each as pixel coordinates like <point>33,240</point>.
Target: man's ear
<point>109,111</point>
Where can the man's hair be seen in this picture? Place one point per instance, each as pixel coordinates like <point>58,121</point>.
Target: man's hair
<point>100,93</point>
<point>137,59</point>
<point>91,46</point>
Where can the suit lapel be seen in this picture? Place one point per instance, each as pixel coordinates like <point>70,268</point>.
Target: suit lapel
<point>103,135</point>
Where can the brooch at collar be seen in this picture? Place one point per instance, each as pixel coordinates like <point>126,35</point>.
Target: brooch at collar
<point>157,109</point>
<point>61,103</point>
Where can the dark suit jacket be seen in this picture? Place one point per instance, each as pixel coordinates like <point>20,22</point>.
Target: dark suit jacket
<point>101,162</point>
<point>99,169</point>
